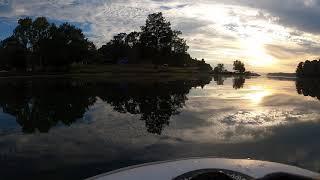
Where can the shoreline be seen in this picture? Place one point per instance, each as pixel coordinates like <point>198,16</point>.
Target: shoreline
<point>112,70</point>
<point>136,71</point>
<point>236,74</point>
<point>135,75</point>
<point>111,77</point>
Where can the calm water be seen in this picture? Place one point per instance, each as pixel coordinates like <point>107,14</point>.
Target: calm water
<point>76,128</point>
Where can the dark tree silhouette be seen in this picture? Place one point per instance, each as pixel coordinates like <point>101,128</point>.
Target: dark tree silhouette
<point>47,47</point>
<point>299,70</point>
<point>157,38</point>
<point>308,69</point>
<point>67,45</point>
<point>43,45</point>
<point>116,49</point>
<point>219,69</point>
<point>157,43</point>
<point>23,32</point>
<point>13,54</point>
<point>157,33</point>
<point>239,67</point>
<point>133,39</point>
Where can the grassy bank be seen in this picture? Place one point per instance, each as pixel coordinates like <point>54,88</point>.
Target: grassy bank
<point>136,69</point>
<point>119,72</point>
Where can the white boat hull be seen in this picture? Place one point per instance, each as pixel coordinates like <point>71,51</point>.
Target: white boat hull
<point>169,170</point>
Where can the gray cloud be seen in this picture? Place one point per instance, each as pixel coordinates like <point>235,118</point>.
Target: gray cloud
<point>301,14</point>
<point>283,52</point>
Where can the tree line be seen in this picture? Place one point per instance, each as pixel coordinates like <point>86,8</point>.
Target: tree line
<point>37,45</point>
<point>308,69</point>
<point>238,67</point>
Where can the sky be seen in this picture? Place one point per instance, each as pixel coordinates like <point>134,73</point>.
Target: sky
<point>267,35</point>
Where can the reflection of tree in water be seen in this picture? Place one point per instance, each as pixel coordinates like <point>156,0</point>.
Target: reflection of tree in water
<point>219,80</point>
<point>39,105</point>
<point>155,102</point>
<point>238,82</point>
<point>308,87</point>
<point>42,104</point>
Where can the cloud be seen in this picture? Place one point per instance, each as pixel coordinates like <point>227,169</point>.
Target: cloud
<point>216,30</point>
<point>300,14</point>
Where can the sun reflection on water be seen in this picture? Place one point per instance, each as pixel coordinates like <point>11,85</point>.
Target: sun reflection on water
<point>257,94</point>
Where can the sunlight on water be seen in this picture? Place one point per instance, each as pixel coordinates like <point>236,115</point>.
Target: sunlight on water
<point>249,113</point>
<point>257,93</point>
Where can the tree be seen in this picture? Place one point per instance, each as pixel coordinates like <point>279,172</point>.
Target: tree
<point>314,71</point>
<point>117,48</point>
<point>75,43</point>
<point>159,40</point>
<point>23,32</point>
<point>40,30</point>
<point>157,33</point>
<point>13,54</point>
<point>308,69</point>
<point>239,66</point>
<point>219,69</point>
<point>156,43</point>
<point>66,45</point>
<point>299,70</point>
<point>45,46</point>
<point>2,60</point>
<point>133,39</point>
<point>50,45</point>
<point>29,33</point>
<point>179,45</point>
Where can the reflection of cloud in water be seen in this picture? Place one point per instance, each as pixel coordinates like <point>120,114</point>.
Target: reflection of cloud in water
<point>233,125</point>
<point>262,118</point>
<point>246,125</point>
<point>224,115</point>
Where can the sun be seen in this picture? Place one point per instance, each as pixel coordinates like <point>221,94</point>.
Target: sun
<point>255,51</point>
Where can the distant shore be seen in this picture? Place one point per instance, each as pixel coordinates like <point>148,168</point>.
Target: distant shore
<point>282,75</point>
<point>115,71</point>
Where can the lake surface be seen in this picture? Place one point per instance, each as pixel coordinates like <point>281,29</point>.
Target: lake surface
<point>60,128</point>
